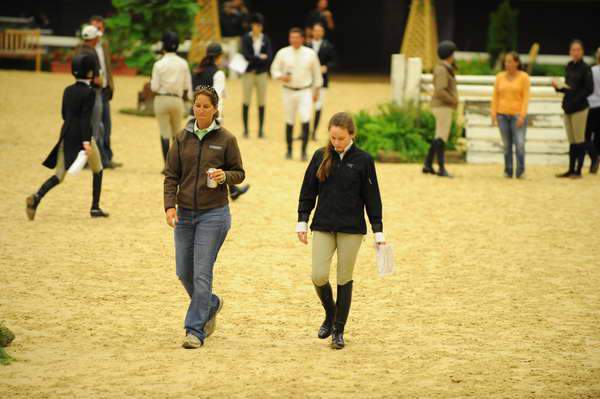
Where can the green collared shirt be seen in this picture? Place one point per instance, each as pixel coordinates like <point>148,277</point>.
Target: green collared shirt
<point>200,133</point>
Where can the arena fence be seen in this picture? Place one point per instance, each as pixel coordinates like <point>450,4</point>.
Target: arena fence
<point>546,138</point>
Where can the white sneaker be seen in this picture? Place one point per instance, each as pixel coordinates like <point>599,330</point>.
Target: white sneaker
<point>211,324</point>
<point>192,342</point>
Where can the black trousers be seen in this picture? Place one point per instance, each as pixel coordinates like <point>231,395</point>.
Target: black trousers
<point>592,132</point>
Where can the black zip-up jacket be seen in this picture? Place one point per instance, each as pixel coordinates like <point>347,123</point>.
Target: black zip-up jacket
<point>578,76</point>
<point>343,197</point>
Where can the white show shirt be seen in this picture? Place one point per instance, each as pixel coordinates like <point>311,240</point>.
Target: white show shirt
<point>594,98</point>
<point>257,44</point>
<point>171,75</point>
<point>219,86</point>
<point>302,227</point>
<point>316,45</point>
<point>302,64</point>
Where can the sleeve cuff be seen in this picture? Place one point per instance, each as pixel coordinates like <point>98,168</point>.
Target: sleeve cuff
<point>379,237</point>
<point>301,227</point>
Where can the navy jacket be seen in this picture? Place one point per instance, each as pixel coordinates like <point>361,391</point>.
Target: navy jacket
<point>327,56</point>
<point>255,64</point>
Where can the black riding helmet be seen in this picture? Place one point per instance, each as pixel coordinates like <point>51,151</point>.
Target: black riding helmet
<point>170,42</point>
<point>445,49</point>
<point>82,66</point>
<point>214,50</point>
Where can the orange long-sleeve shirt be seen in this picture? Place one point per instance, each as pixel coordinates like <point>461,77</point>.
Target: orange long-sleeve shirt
<point>511,96</point>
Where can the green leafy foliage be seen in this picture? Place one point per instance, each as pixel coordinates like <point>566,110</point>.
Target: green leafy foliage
<point>405,130</point>
<point>502,31</point>
<point>479,66</point>
<point>475,66</point>
<point>138,24</point>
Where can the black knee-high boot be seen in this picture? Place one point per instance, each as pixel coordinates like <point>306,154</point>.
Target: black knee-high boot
<point>33,200</point>
<point>245,109</point>
<point>428,165</point>
<point>580,150</point>
<point>96,191</point>
<point>305,133</point>
<point>441,158</point>
<point>289,131</point>
<point>316,124</point>
<point>165,144</point>
<point>572,158</point>
<point>342,309</point>
<point>325,294</point>
<point>261,121</point>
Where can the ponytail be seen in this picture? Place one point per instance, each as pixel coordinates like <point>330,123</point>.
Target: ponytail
<point>344,121</point>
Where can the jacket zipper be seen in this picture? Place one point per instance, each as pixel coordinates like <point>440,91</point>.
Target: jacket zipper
<point>197,173</point>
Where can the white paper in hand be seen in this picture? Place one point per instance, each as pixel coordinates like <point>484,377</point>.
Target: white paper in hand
<point>79,163</point>
<point>385,260</point>
<point>238,63</point>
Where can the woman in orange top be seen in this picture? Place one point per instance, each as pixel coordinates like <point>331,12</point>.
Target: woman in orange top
<point>509,109</point>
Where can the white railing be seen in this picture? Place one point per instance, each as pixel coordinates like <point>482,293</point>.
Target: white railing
<point>546,139</point>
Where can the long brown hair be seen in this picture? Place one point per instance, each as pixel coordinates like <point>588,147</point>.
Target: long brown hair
<point>342,120</point>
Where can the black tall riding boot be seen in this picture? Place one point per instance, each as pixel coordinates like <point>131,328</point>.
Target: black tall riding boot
<point>580,150</point>
<point>326,296</point>
<point>33,200</point>
<point>165,145</point>
<point>305,133</point>
<point>316,124</point>
<point>96,212</point>
<point>289,130</point>
<point>428,165</point>
<point>441,157</point>
<point>245,109</point>
<point>261,121</point>
<point>342,309</point>
<point>572,158</point>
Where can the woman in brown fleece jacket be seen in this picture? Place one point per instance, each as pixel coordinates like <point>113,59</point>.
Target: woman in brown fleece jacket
<point>199,213</point>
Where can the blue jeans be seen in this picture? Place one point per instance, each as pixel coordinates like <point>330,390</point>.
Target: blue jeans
<point>512,135</point>
<point>199,236</point>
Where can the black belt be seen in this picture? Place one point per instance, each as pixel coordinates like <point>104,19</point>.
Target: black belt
<point>297,88</point>
<point>168,94</point>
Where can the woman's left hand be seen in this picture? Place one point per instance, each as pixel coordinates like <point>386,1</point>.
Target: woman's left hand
<point>380,244</point>
<point>218,175</point>
<point>520,121</point>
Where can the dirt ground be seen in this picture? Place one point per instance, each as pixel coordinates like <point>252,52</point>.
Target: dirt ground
<point>496,293</point>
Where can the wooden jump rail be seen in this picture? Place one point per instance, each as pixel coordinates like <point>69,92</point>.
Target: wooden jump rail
<point>21,43</point>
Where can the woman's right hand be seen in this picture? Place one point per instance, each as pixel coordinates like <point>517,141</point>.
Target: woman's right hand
<point>494,119</point>
<point>303,237</point>
<point>87,148</point>
<point>172,217</point>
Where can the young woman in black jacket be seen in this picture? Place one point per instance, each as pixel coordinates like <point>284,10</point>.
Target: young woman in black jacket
<point>343,177</point>
<point>579,85</point>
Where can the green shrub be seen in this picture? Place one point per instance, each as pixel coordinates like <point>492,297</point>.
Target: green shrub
<point>475,66</point>
<point>405,130</point>
<point>502,31</point>
<point>138,24</point>
<point>548,70</point>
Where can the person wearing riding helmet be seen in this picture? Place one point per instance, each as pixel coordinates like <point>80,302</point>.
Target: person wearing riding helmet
<point>208,74</point>
<point>171,80</point>
<point>75,136</point>
<point>443,103</point>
